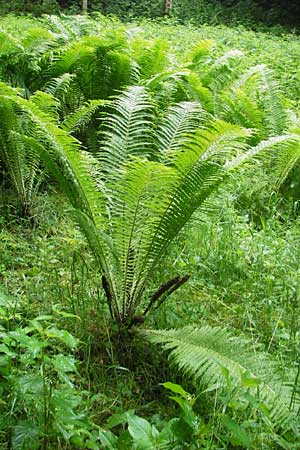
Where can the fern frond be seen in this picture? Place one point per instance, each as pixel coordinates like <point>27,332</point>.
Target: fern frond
<point>263,148</point>
<point>12,151</point>
<point>197,174</point>
<point>101,246</point>
<point>56,148</point>
<point>128,131</point>
<point>270,97</point>
<point>199,53</point>
<point>204,352</point>
<point>101,67</point>
<point>66,90</point>
<point>151,56</point>
<point>58,25</point>
<point>196,91</point>
<point>82,117</point>
<point>178,125</point>
<point>59,87</point>
<point>136,197</point>
<point>46,103</point>
<point>286,159</point>
<point>221,72</point>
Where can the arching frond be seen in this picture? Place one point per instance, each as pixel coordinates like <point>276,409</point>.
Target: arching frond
<point>18,153</point>
<point>54,145</point>
<point>101,65</point>
<point>61,86</point>
<point>152,57</point>
<point>67,91</point>
<point>181,121</point>
<point>79,119</point>
<point>257,92</point>
<point>199,53</point>
<point>58,25</point>
<point>204,353</point>
<point>46,103</point>
<point>135,199</point>
<point>128,131</point>
<point>196,91</point>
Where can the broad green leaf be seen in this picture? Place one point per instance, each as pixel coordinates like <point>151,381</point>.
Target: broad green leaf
<point>176,388</point>
<point>108,439</point>
<point>238,434</point>
<point>142,433</point>
<point>248,381</point>
<point>26,436</point>
<point>62,335</point>
<point>119,419</point>
<point>63,363</point>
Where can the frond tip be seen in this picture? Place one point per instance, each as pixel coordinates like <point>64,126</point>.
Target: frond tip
<point>205,353</point>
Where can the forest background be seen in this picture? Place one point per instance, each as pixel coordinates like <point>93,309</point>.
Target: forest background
<point>253,13</point>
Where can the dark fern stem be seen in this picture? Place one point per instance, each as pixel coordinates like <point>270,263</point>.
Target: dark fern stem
<point>108,293</point>
<point>160,296</point>
<point>160,291</point>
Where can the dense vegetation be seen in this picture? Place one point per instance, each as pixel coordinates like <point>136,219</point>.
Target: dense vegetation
<point>252,13</point>
<point>149,236</point>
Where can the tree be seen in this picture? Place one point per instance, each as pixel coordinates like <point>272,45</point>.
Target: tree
<point>167,7</point>
<point>84,6</point>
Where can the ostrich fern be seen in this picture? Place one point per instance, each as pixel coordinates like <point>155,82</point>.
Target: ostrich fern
<point>250,98</point>
<point>101,65</point>
<point>207,353</point>
<point>143,186</point>
<point>27,127</point>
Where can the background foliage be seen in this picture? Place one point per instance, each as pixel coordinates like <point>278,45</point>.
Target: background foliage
<point>247,12</point>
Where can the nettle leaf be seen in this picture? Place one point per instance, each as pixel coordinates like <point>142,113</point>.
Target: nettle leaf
<point>26,436</point>
<point>176,388</point>
<point>238,434</point>
<point>63,363</point>
<point>62,335</point>
<point>143,433</point>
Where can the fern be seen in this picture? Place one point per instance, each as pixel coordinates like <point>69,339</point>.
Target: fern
<point>67,91</point>
<point>142,187</point>
<point>267,104</point>
<point>100,65</point>
<point>151,57</point>
<point>28,133</point>
<point>82,117</point>
<point>208,353</point>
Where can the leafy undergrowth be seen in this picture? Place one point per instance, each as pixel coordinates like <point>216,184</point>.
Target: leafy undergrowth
<point>54,318</point>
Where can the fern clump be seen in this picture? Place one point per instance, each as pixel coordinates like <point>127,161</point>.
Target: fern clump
<point>134,195</point>
<point>214,357</point>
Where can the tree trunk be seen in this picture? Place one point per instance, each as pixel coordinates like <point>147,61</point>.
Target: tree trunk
<point>167,7</point>
<point>84,6</point>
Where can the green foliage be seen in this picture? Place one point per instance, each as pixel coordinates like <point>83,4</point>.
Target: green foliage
<point>248,12</point>
<point>186,430</point>
<point>28,125</point>
<point>146,188</point>
<point>100,67</point>
<point>38,371</point>
<point>211,355</point>
<point>142,124</point>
